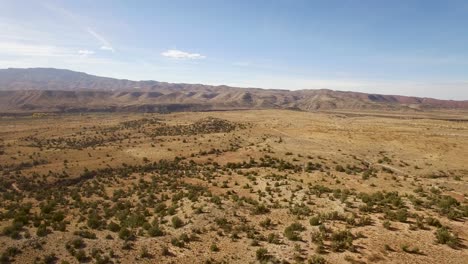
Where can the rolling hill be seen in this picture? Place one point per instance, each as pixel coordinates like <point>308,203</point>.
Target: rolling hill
<point>57,90</point>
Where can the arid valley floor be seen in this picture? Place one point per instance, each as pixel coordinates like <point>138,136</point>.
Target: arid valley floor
<point>271,186</point>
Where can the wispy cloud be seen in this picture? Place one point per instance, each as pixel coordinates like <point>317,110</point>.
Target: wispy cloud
<point>85,52</point>
<point>105,45</point>
<point>107,48</point>
<point>79,21</point>
<point>182,55</point>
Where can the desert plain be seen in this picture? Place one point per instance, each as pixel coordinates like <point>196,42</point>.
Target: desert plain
<point>253,186</point>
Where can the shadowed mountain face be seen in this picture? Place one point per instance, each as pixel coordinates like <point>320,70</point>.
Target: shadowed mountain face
<point>54,90</point>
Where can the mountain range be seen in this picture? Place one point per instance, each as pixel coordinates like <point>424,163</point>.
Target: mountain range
<point>58,90</point>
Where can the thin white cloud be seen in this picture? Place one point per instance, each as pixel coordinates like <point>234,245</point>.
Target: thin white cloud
<point>62,11</point>
<point>105,45</point>
<point>107,48</point>
<point>182,55</point>
<point>85,52</point>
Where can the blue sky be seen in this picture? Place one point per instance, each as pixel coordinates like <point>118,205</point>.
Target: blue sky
<point>406,47</point>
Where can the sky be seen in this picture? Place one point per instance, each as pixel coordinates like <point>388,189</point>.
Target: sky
<point>416,48</point>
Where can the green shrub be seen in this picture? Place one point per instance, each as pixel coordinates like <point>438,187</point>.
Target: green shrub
<point>262,254</point>
<point>444,236</point>
<point>433,222</point>
<point>407,249</point>
<point>386,224</point>
<point>315,221</point>
<point>266,223</point>
<point>178,243</point>
<point>292,232</point>
<point>214,248</point>
<point>77,243</point>
<point>81,256</point>
<point>342,240</point>
<point>85,234</point>
<point>144,253</point>
<point>273,238</point>
<point>316,259</point>
<point>260,209</point>
<point>114,227</point>
<point>50,258</point>
<point>155,231</point>
<point>42,231</point>
<point>126,234</point>
<point>177,222</point>
<point>340,168</point>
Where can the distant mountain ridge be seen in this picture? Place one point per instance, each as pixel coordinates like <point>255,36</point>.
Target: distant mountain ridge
<point>57,90</point>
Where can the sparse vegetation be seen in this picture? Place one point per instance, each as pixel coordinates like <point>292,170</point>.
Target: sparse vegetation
<point>154,188</point>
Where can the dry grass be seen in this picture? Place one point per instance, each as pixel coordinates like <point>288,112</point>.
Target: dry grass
<point>233,186</point>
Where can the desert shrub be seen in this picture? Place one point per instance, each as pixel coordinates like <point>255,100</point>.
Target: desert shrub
<point>155,231</point>
<point>85,234</point>
<point>340,168</point>
<point>13,230</point>
<point>363,221</point>
<point>42,231</point>
<point>94,221</point>
<point>76,243</point>
<point>103,260</point>
<point>224,224</point>
<point>216,200</point>
<point>342,240</point>
<point>177,222</point>
<point>50,258</point>
<point>262,255</point>
<point>315,221</point>
<point>433,221</point>
<point>144,253</point>
<point>127,245</point>
<point>444,236</point>
<point>8,255</point>
<point>408,249</point>
<point>177,242</point>
<point>267,223</point>
<point>214,248</point>
<point>316,259</point>
<point>260,209</point>
<point>135,220</point>
<point>165,251</point>
<point>446,203</point>
<point>81,256</point>
<point>317,237</point>
<point>4,258</point>
<point>400,215</point>
<point>292,232</point>
<point>126,234</point>
<point>160,208</point>
<point>386,224</point>
<point>300,210</point>
<point>114,227</point>
<point>273,238</point>
<point>379,200</point>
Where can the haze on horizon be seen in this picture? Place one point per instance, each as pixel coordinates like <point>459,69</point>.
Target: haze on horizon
<point>416,48</point>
